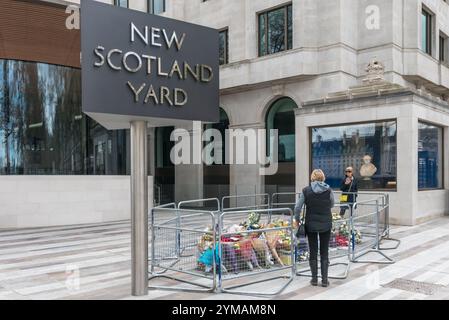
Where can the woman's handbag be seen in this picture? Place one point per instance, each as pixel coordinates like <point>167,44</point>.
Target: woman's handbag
<point>301,233</point>
<point>345,197</point>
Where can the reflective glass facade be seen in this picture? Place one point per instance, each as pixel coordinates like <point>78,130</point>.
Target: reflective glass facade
<point>430,156</point>
<point>369,148</point>
<point>42,128</point>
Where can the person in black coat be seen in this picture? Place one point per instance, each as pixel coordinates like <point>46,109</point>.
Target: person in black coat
<point>349,190</point>
<point>319,200</point>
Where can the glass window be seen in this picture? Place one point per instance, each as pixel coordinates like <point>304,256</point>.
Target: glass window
<point>275,30</point>
<point>107,150</point>
<point>289,27</point>
<point>163,146</point>
<point>443,48</point>
<point>426,32</point>
<point>262,34</point>
<point>369,148</point>
<point>430,156</point>
<point>281,116</point>
<point>223,47</point>
<point>42,128</point>
<point>121,3</point>
<point>156,6</point>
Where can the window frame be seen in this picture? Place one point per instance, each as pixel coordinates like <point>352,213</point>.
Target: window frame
<point>441,157</point>
<point>285,7</point>
<point>429,31</point>
<point>268,135</point>
<point>395,189</point>
<point>117,3</point>
<point>226,49</point>
<point>443,48</point>
<point>150,4</point>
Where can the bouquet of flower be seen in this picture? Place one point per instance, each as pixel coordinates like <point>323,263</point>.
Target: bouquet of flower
<point>253,221</point>
<point>341,241</point>
<point>358,236</point>
<point>336,216</point>
<point>280,223</point>
<point>284,241</point>
<point>341,230</point>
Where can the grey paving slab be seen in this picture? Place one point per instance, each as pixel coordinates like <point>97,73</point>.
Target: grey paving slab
<point>93,262</point>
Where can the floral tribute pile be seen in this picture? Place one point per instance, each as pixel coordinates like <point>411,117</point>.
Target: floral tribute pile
<point>341,232</point>
<point>263,248</point>
<point>242,250</point>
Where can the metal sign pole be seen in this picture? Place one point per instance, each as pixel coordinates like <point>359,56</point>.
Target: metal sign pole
<point>139,209</point>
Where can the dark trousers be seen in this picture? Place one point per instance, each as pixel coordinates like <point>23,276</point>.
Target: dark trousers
<point>324,239</point>
<point>344,208</point>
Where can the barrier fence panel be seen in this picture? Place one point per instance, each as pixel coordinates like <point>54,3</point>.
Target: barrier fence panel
<point>246,202</point>
<point>339,248</point>
<point>183,249</point>
<point>384,218</point>
<point>214,204</point>
<point>247,241</point>
<point>159,216</point>
<point>386,233</point>
<point>257,248</point>
<point>366,231</point>
<point>284,200</point>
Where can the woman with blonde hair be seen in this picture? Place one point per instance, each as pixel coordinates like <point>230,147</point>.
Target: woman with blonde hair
<point>319,200</point>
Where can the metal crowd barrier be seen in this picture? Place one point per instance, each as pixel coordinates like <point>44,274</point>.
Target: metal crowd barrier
<point>339,249</point>
<point>384,219</point>
<point>252,201</point>
<point>188,204</point>
<point>256,251</point>
<point>210,250</point>
<point>386,234</point>
<point>374,228</point>
<point>365,224</point>
<point>178,241</point>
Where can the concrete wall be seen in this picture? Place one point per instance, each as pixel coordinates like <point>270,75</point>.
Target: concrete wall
<point>35,201</point>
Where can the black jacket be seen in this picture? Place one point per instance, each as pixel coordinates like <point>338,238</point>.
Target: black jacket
<point>350,189</point>
<point>318,210</point>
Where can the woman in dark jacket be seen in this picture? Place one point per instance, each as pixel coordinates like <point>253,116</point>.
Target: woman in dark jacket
<point>349,190</point>
<point>319,200</point>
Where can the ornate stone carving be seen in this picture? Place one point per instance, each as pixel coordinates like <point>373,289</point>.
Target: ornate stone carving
<point>375,70</point>
<point>278,90</point>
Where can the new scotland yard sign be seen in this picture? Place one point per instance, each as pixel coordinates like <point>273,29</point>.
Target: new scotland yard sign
<point>139,66</point>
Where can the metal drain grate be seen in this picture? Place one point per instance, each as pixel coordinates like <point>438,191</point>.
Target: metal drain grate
<point>414,286</point>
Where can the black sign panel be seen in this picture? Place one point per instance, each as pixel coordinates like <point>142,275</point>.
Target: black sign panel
<point>139,66</point>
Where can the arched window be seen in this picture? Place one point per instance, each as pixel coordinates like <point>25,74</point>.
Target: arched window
<point>219,146</point>
<point>281,116</point>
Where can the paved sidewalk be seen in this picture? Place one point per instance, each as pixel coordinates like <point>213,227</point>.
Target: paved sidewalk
<point>39,264</point>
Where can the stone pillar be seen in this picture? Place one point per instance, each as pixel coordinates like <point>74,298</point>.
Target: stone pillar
<point>403,202</point>
<point>151,151</point>
<point>245,179</point>
<point>302,144</point>
<point>189,177</point>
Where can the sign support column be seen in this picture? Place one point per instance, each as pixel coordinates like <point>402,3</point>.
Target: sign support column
<point>139,208</point>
